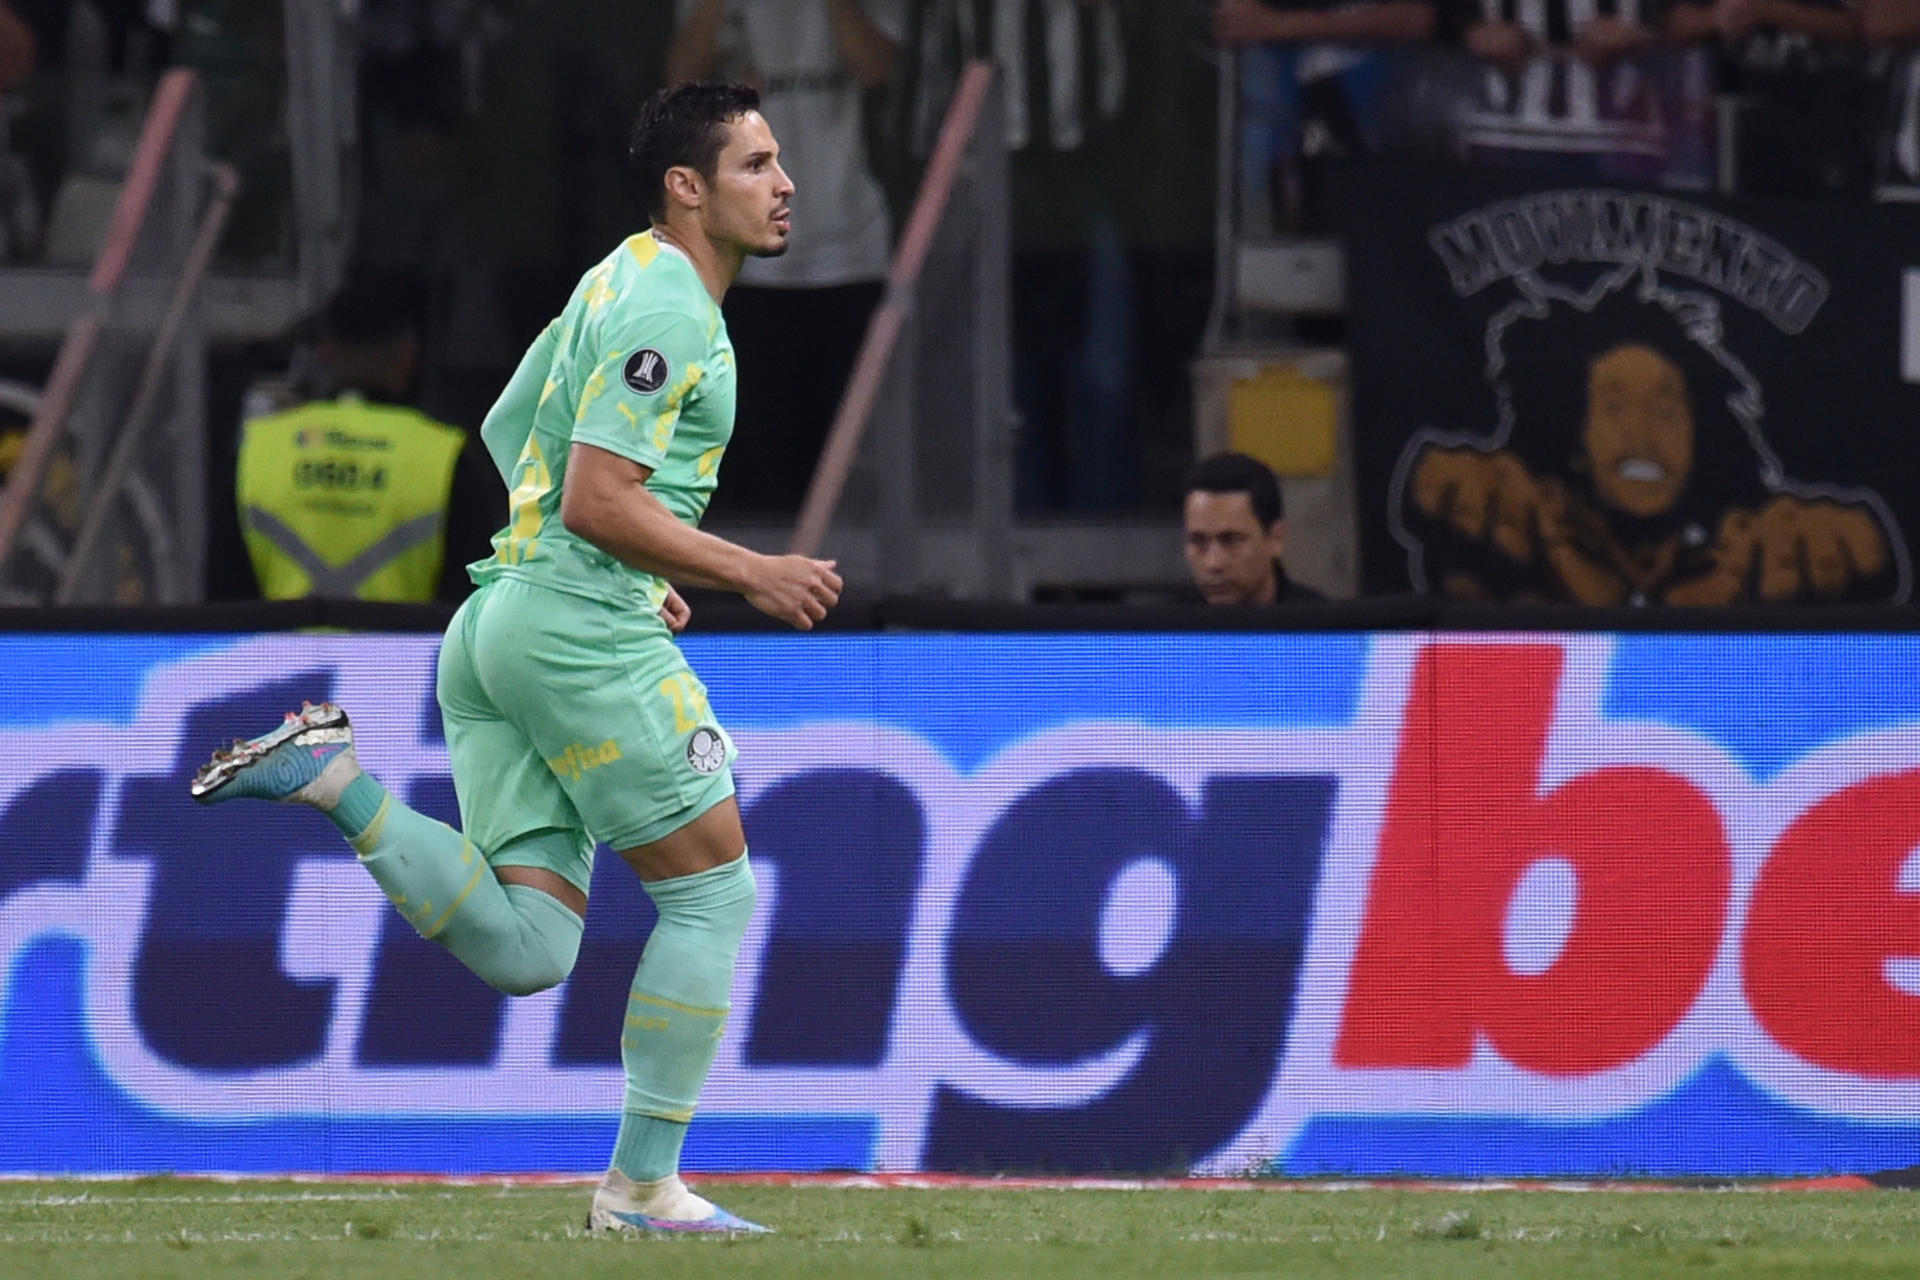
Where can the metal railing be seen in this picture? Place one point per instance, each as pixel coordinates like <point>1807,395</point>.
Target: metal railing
<point>106,501</point>
<point>926,420</point>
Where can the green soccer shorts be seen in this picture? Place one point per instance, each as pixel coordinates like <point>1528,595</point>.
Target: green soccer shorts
<point>565,713</point>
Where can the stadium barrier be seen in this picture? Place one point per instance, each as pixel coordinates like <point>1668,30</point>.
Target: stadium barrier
<point>1369,897</point>
<point>914,483</point>
<point>104,503</point>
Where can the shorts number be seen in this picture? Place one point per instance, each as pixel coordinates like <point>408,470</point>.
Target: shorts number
<point>690,708</point>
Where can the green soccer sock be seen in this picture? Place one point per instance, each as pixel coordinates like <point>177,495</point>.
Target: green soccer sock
<point>516,938</point>
<point>676,1010</point>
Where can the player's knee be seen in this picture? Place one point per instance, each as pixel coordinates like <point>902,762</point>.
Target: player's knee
<point>529,979</point>
<point>542,962</point>
<point>544,948</point>
<point>733,902</point>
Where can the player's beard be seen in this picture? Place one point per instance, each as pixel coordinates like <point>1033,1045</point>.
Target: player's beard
<point>778,247</point>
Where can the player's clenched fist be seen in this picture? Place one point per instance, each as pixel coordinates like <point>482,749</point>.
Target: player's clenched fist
<point>1487,497</point>
<point>795,589</point>
<point>675,612</point>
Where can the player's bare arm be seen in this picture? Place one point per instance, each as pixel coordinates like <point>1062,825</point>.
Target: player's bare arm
<point>605,500</point>
<point>867,52</point>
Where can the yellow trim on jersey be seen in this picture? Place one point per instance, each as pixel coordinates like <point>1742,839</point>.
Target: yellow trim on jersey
<point>523,505</point>
<point>663,425</point>
<point>644,248</point>
<point>596,386</point>
<point>600,291</point>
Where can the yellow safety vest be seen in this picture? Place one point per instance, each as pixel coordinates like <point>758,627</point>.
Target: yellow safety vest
<point>344,499</point>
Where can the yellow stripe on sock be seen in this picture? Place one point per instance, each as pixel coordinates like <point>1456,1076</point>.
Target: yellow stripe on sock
<point>447,915</point>
<point>364,842</point>
<point>669,1004</point>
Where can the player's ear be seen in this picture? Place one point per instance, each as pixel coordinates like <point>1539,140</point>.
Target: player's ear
<point>1277,537</point>
<point>684,186</point>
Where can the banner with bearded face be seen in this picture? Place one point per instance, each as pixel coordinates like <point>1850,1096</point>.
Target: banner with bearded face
<point>1620,436</point>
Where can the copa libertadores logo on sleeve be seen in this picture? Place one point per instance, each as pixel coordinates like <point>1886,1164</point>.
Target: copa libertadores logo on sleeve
<point>646,371</point>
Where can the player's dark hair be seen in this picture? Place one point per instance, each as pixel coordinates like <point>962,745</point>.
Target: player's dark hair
<point>683,124</point>
<point>1239,473</point>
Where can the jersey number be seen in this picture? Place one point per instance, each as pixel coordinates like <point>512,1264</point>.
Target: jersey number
<point>690,708</point>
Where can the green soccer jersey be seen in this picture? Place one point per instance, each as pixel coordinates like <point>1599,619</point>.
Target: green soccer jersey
<point>637,364</point>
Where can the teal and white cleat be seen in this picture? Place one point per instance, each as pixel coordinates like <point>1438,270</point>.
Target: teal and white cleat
<point>717,1223</point>
<point>307,760</point>
<point>615,1211</point>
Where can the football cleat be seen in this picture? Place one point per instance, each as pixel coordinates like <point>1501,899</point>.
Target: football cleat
<point>283,764</point>
<point>614,1212</point>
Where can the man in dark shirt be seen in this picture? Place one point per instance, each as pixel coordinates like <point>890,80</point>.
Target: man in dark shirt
<point>363,382</point>
<point>1235,531</point>
<point>1804,105</point>
<point>1315,82</point>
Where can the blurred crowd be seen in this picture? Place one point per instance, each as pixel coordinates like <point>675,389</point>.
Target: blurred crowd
<point>1804,99</point>
<point>487,158</point>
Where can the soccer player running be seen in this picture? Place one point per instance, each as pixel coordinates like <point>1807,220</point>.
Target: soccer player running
<point>570,714</point>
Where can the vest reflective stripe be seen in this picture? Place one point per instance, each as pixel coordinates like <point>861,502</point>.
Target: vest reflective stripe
<point>340,582</point>
<point>347,500</point>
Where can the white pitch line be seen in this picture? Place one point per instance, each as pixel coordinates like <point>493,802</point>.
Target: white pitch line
<point>292,1197</point>
<point>231,1237</point>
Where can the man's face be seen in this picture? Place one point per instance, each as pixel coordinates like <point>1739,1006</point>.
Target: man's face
<point>1230,554</point>
<point>748,200</point>
<point>1639,430</point>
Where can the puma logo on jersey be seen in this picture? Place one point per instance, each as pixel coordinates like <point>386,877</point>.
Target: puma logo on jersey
<point>646,371</point>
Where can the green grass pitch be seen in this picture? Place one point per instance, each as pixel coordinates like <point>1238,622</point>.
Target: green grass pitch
<point>206,1229</point>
